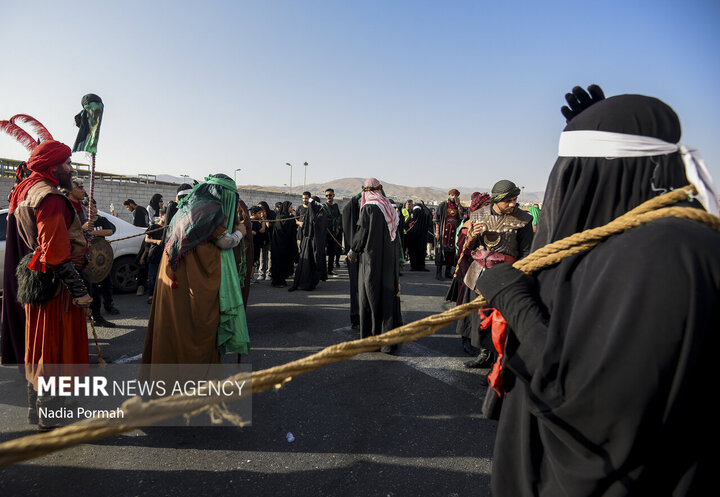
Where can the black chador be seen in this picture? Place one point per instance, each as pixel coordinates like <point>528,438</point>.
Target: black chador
<point>350,216</point>
<point>284,252</point>
<point>311,262</point>
<point>611,352</point>
<point>416,237</point>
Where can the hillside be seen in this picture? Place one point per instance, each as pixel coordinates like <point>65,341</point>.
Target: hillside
<point>347,187</point>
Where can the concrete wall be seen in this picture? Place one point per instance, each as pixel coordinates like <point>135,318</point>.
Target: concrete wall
<point>116,192</point>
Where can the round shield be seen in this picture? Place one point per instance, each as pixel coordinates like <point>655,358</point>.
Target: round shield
<point>100,260</point>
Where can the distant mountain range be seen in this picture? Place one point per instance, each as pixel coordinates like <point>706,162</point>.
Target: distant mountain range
<point>347,187</point>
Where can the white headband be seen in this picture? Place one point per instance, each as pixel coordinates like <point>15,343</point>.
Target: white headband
<point>182,193</point>
<point>587,143</point>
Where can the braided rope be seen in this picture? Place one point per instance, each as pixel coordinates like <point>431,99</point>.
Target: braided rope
<point>139,413</point>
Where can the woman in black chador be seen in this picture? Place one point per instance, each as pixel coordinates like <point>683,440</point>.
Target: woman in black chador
<point>283,250</point>
<point>612,350</point>
<point>311,266</point>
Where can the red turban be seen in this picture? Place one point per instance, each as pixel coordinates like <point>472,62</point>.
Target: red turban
<point>48,155</point>
<point>42,162</point>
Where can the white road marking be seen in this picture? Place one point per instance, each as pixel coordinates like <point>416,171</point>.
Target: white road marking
<point>427,361</point>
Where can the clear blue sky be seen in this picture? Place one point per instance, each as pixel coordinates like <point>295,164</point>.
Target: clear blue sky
<point>442,93</point>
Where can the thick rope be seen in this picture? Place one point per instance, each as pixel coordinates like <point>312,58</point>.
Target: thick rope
<point>139,413</point>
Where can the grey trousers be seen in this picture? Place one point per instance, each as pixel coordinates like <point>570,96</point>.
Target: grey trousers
<point>264,261</point>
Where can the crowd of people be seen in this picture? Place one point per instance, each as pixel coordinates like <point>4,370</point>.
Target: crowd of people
<point>598,364</point>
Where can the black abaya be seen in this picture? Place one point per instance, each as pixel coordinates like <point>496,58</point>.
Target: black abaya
<point>311,262</point>
<point>350,216</point>
<point>283,252</point>
<point>378,275</point>
<point>12,335</point>
<point>611,351</point>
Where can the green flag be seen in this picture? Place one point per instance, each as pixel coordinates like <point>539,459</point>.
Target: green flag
<point>89,123</point>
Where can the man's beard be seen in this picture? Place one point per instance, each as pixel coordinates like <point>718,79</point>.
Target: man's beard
<point>64,178</point>
<point>506,210</point>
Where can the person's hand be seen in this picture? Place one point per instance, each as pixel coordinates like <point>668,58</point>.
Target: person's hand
<point>579,100</point>
<point>242,229</point>
<point>475,229</point>
<point>83,301</point>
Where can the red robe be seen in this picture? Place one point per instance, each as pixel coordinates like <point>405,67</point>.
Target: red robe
<point>55,331</point>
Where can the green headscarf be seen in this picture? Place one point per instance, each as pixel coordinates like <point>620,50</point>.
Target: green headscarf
<point>198,215</point>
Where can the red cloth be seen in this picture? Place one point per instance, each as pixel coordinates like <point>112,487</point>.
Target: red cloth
<point>44,159</point>
<point>452,221</point>
<point>498,326</point>
<point>54,335</point>
<point>54,247</point>
<point>78,207</point>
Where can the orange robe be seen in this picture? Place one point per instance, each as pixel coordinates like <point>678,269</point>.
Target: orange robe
<point>183,321</point>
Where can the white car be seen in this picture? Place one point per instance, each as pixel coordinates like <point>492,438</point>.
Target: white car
<point>124,271</point>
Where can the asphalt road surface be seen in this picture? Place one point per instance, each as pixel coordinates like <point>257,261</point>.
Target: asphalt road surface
<point>376,425</point>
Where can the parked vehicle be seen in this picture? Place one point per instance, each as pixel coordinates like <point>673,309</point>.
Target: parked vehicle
<point>124,270</point>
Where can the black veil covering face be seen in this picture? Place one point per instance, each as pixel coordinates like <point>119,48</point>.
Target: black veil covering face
<point>586,192</point>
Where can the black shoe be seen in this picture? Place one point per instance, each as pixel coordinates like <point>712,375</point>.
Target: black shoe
<point>332,273</point>
<point>32,405</point>
<point>481,361</point>
<point>438,273</point>
<point>112,310</point>
<point>292,289</point>
<point>43,428</point>
<point>33,418</point>
<point>101,321</point>
<point>390,349</point>
<point>468,348</point>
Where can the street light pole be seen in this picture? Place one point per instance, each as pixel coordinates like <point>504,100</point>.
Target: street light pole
<point>305,177</point>
<point>236,170</point>
<point>288,164</point>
